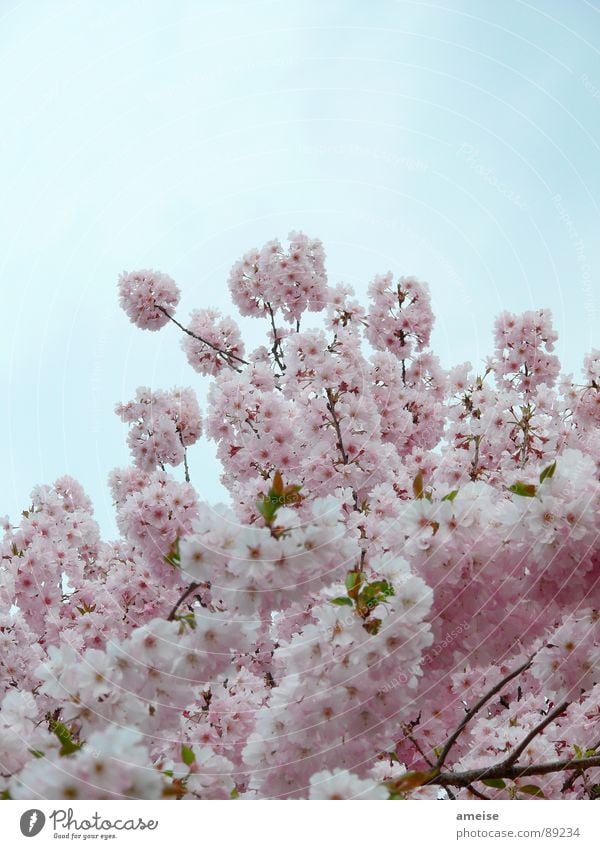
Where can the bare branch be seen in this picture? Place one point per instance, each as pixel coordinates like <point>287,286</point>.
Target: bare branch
<point>336,424</point>
<point>477,707</point>
<point>228,356</point>
<point>185,459</point>
<point>407,729</point>
<point>189,590</point>
<point>464,779</point>
<point>186,466</point>
<point>475,792</point>
<point>516,752</point>
<point>276,350</point>
<point>508,768</point>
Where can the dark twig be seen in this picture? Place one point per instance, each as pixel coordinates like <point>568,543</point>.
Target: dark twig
<point>508,768</point>
<point>193,586</point>
<point>475,792</point>
<point>185,459</point>
<point>477,707</point>
<point>518,750</point>
<point>464,779</point>
<point>226,355</point>
<point>276,350</point>
<point>417,746</point>
<point>336,423</point>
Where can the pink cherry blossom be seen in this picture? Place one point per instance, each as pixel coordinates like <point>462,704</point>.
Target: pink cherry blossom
<point>163,426</point>
<point>148,297</point>
<point>401,544</point>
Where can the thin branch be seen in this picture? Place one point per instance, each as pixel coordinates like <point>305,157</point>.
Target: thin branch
<point>185,459</point>
<point>514,755</point>
<point>276,350</point>
<point>186,466</point>
<point>475,792</point>
<point>569,783</point>
<point>573,777</point>
<point>252,428</point>
<point>226,355</point>
<point>409,735</point>
<point>463,779</point>
<point>591,789</point>
<point>193,586</point>
<point>508,768</point>
<point>336,424</point>
<point>477,707</point>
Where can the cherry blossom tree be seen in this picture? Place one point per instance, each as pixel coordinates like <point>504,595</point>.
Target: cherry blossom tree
<point>399,601</point>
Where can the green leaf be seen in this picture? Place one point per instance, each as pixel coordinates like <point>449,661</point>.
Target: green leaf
<point>188,619</point>
<point>277,497</point>
<point>173,557</point>
<point>528,490</point>
<point>168,772</point>
<point>375,593</point>
<point>234,793</point>
<point>69,748</point>
<point>532,790</point>
<point>187,755</point>
<point>342,601</point>
<point>267,509</point>
<point>548,472</point>
<point>498,783</point>
<point>383,588</point>
<point>5,795</point>
<point>450,496</point>
<point>353,580</point>
<point>36,753</point>
<point>68,745</point>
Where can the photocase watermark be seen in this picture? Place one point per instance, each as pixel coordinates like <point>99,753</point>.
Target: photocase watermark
<point>471,156</point>
<point>352,149</point>
<point>32,822</point>
<point>585,268</point>
<point>590,87</point>
<point>446,642</point>
<point>283,499</point>
<point>403,678</point>
<point>66,827</point>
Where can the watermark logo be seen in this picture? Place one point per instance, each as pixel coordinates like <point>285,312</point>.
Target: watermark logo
<point>32,822</point>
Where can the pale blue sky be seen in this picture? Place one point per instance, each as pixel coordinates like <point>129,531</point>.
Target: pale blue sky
<point>427,138</point>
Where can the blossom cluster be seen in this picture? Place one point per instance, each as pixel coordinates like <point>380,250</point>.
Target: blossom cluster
<point>163,425</point>
<point>400,538</point>
<point>274,279</point>
<point>148,297</point>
